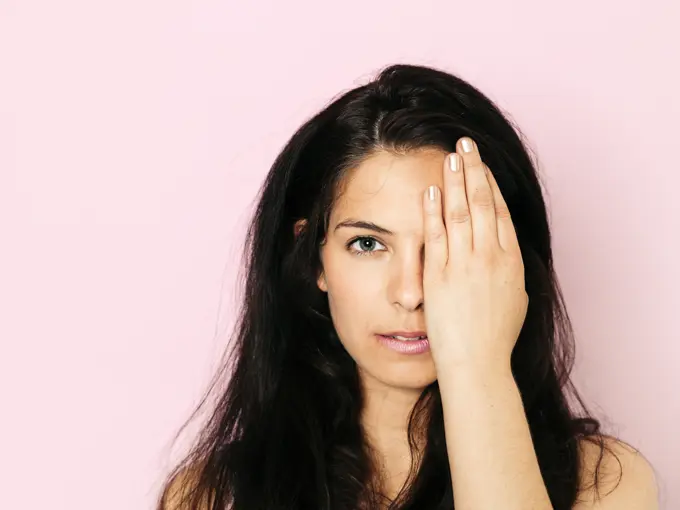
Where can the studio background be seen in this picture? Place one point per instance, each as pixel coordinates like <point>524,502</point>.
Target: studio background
<point>134,136</point>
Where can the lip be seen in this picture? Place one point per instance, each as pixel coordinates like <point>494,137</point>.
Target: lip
<point>405,347</point>
<point>405,334</point>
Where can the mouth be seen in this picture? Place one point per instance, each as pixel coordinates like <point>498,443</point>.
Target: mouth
<point>405,336</point>
<point>408,343</point>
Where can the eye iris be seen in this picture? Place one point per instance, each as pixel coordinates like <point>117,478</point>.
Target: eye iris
<point>366,243</point>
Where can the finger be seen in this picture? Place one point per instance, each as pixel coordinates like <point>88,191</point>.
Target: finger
<point>457,213</point>
<point>479,196</point>
<point>507,236</point>
<point>436,251</point>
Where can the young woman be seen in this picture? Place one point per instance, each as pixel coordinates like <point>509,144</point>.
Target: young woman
<point>403,341</point>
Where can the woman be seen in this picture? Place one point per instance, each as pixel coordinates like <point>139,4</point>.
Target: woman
<point>403,342</point>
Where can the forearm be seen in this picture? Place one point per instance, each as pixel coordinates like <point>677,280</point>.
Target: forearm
<point>491,454</point>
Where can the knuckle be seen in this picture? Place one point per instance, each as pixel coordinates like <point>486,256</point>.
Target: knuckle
<point>483,197</point>
<point>432,272</point>
<point>515,262</point>
<point>509,265</point>
<point>502,213</point>
<point>434,234</point>
<point>458,215</point>
<point>486,257</point>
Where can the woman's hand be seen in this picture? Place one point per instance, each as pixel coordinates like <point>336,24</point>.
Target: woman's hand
<point>473,274</point>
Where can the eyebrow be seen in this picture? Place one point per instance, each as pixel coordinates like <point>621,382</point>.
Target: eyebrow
<point>366,225</point>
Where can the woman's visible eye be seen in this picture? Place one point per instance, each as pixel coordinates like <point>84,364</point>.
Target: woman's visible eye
<point>363,245</point>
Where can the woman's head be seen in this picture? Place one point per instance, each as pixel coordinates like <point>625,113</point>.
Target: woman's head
<point>371,263</point>
<point>333,257</point>
<point>371,155</point>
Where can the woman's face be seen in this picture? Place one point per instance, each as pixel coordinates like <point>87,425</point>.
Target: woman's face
<point>374,278</point>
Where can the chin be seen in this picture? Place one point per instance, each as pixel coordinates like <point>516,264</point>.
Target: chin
<point>406,376</point>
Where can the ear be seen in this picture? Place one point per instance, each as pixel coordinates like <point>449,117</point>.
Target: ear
<point>299,226</point>
<point>321,282</point>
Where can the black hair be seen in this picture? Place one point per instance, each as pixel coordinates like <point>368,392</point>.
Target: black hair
<point>284,431</point>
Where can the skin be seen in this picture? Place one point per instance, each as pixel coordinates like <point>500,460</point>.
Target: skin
<point>376,286</point>
<point>457,253</point>
<point>456,250</point>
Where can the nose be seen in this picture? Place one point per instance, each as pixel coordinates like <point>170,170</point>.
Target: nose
<point>405,287</point>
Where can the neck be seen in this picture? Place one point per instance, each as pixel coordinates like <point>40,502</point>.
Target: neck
<point>384,420</point>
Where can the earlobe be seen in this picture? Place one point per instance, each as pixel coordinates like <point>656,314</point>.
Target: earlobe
<point>321,282</point>
<point>299,226</point>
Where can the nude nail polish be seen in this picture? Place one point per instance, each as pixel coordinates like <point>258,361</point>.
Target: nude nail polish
<point>453,162</point>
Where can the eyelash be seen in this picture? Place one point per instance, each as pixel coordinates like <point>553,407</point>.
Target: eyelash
<point>361,253</point>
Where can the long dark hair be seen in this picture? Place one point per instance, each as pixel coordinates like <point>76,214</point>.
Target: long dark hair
<point>284,431</point>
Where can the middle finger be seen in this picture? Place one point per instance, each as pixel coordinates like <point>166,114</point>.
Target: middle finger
<point>480,197</point>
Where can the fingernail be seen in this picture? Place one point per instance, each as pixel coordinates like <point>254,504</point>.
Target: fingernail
<point>453,162</point>
<point>467,145</point>
<point>431,192</point>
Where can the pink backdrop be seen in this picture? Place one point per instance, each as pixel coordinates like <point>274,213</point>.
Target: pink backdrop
<point>134,134</point>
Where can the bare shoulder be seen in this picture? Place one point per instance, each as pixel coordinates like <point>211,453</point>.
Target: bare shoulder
<point>622,479</point>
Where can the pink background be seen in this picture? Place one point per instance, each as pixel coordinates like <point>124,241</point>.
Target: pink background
<point>133,137</point>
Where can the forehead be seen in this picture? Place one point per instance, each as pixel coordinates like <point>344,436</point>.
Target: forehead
<point>388,189</point>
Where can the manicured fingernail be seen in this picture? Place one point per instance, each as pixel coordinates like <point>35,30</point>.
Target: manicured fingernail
<point>431,192</point>
<point>467,145</point>
<point>453,162</point>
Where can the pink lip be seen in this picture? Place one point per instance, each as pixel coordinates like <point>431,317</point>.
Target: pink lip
<point>404,346</point>
<point>405,334</point>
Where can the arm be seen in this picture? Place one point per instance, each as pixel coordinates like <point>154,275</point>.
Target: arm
<point>493,462</point>
<point>491,454</point>
<point>476,304</point>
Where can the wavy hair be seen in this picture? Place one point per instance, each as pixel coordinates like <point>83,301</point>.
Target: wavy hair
<point>284,430</point>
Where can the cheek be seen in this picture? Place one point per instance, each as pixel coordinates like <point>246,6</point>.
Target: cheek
<point>354,295</point>
<point>353,291</point>
<point>351,276</point>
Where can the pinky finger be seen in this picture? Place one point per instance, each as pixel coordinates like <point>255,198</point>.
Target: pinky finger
<point>507,236</point>
<point>436,245</point>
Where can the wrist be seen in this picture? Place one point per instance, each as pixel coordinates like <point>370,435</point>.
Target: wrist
<point>486,372</point>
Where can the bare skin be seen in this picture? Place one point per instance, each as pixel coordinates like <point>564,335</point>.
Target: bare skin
<point>382,291</point>
<point>379,289</point>
<point>374,275</point>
